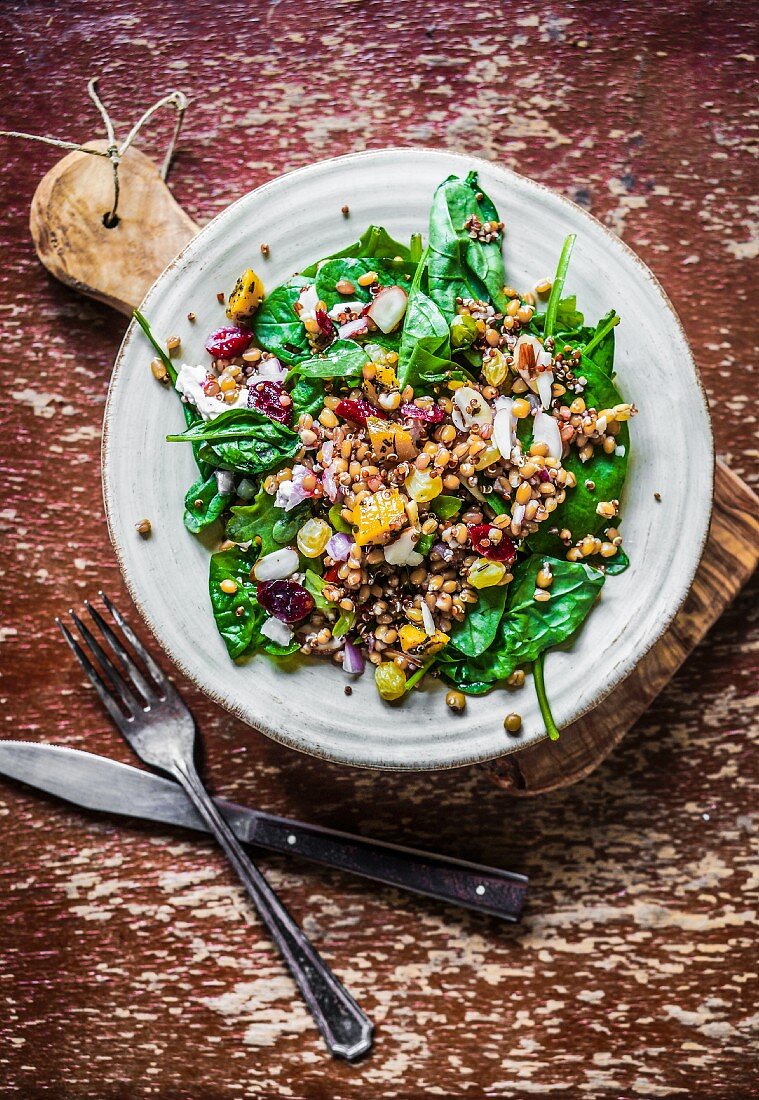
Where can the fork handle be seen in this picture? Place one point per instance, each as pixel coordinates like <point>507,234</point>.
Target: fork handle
<point>346,1029</point>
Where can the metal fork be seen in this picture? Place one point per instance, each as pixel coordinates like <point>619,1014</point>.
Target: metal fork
<point>155,721</point>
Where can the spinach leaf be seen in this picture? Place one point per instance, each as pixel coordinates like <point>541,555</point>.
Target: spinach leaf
<point>459,265</point>
<point>527,628</point>
<point>191,415</point>
<point>163,355</point>
<point>601,343</point>
<point>389,273</point>
<point>276,325</point>
<point>477,630</point>
<point>314,584</point>
<point>375,241</point>
<point>612,567</point>
<point>554,300</point>
<point>308,397</point>
<point>540,690</point>
<point>242,439</point>
<point>446,507</point>
<point>425,350</point>
<point>343,359</point>
<point>237,630</point>
<point>203,503</point>
<point>264,524</point>
<point>337,521</point>
<point>239,616</point>
<point>344,623</point>
<point>569,325</point>
<point>425,544</point>
<point>606,473</point>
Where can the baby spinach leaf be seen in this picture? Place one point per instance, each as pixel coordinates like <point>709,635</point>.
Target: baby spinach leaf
<point>476,632</point>
<point>446,507</point>
<point>459,265</point>
<point>276,325</point>
<point>425,349</point>
<point>242,439</point>
<point>238,615</point>
<point>540,690</point>
<point>308,397</point>
<point>238,629</point>
<point>600,346</point>
<point>344,623</point>
<point>203,503</point>
<point>191,415</point>
<point>375,241</point>
<point>554,300</point>
<point>613,566</point>
<point>343,359</point>
<point>337,521</point>
<point>389,273</point>
<point>425,544</point>
<point>262,523</point>
<point>527,627</point>
<point>314,584</point>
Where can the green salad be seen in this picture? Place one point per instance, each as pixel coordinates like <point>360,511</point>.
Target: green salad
<point>410,464</point>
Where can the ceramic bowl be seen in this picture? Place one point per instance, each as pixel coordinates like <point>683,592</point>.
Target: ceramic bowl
<point>304,705</point>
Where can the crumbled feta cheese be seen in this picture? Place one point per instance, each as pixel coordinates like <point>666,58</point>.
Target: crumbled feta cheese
<point>190,381</point>
<point>278,631</point>
<point>342,308</point>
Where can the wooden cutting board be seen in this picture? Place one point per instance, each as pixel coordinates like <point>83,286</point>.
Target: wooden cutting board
<point>118,265</point>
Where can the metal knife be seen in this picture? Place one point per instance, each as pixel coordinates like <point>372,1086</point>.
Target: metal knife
<point>97,783</point>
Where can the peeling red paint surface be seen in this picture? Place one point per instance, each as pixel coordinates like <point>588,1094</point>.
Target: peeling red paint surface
<point>130,965</point>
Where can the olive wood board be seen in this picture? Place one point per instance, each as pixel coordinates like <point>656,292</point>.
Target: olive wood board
<point>117,266</point>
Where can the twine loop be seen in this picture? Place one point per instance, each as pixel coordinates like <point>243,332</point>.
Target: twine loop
<point>115,151</point>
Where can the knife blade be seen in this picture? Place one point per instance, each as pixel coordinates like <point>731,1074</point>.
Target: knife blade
<point>107,786</point>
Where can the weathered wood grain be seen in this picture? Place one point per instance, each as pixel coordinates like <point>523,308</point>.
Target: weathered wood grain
<point>129,965</point>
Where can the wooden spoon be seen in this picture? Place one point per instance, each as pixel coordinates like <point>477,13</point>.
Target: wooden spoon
<point>118,265</point>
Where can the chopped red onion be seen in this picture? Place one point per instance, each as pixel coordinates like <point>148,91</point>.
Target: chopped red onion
<point>353,661</point>
<point>357,327</point>
<point>270,370</point>
<point>291,493</point>
<point>443,551</point>
<point>339,546</point>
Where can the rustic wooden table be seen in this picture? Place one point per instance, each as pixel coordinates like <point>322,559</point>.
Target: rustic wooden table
<point>130,964</point>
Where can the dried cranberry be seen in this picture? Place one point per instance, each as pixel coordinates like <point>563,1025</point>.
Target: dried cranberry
<point>267,398</point>
<point>433,415</point>
<point>358,410</point>
<point>228,342</point>
<point>332,574</point>
<point>543,474</point>
<point>325,323</point>
<point>285,600</point>
<point>504,551</point>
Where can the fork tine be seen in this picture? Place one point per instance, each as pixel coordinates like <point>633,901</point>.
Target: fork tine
<point>121,688</point>
<point>92,675</point>
<point>124,659</point>
<point>157,673</point>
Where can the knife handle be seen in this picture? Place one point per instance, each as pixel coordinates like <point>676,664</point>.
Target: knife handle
<point>484,889</point>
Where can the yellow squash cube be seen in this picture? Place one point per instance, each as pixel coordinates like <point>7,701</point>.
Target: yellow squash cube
<point>387,437</point>
<point>378,515</point>
<point>246,297</point>
<point>415,640</point>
